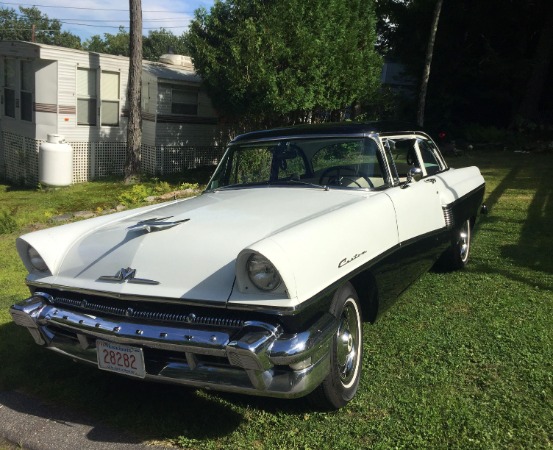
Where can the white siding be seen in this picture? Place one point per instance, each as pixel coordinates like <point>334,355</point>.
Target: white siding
<point>67,122</point>
<point>149,105</point>
<point>46,98</point>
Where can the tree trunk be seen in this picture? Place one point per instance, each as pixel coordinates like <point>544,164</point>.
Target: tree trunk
<point>134,128</point>
<point>428,63</point>
<point>529,107</point>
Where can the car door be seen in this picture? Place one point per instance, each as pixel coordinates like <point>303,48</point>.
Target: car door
<point>417,203</point>
<point>418,209</point>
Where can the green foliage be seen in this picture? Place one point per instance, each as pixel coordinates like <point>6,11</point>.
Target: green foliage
<point>135,195</point>
<point>160,42</point>
<point>157,43</point>
<point>138,193</point>
<point>7,222</point>
<point>17,26</point>
<point>286,61</point>
<point>112,44</point>
<point>485,134</point>
<point>192,186</point>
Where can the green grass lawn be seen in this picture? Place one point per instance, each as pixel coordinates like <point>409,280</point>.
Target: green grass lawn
<point>462,360</point>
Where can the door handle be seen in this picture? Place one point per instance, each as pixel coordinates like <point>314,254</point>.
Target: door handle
<point>430,180</point>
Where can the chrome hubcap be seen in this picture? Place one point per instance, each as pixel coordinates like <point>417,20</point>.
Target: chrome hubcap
<point>347,344</point>
<point>464,241</point>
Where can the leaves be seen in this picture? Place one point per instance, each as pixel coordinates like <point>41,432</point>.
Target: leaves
<point>157,43</point>
<point>19,26</point>
<point>286,61</point>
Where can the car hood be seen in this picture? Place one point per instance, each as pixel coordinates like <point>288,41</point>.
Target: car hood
<point>193,259</point>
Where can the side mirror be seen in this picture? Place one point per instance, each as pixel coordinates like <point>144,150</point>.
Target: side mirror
<point>414,174</point>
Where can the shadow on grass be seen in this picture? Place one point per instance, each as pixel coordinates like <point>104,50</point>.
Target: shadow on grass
<point>535,247</point>
<point>83,394</point>
<point>500,189</point>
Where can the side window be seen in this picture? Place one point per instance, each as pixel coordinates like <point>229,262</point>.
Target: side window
<point>109,89</point>
<point>430,160</point>
<point>405,156</point>
<point>9,87</point>
<point>184,102</point>
<point>86,97</point>
<point>145,97</point>
<point>27,83</point>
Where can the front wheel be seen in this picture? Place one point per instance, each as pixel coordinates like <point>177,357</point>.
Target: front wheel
<point>341,384</point>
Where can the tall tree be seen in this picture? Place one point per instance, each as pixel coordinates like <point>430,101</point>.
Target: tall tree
<point>286,61</point>
<point>134,130</point>
<point>428,63</point>
<point>18,26</point>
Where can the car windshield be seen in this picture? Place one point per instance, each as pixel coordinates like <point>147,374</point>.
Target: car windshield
<point>353,163</point>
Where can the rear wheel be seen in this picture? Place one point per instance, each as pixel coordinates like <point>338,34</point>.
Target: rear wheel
<point>341,384</point>
<point>456,257</point>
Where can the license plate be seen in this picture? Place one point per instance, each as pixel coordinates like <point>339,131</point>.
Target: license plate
<point>120,358</point>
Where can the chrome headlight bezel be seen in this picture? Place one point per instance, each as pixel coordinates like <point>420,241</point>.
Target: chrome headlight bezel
<point>262,273</point>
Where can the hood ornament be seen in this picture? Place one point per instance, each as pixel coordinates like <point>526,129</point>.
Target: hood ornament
<point>155,224</point>
<point>126,276</point>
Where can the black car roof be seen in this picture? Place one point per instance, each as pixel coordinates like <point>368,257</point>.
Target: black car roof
<point>329,129</point>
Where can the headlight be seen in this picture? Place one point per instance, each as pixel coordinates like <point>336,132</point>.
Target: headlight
<point>262,273</point>
<point>36,260</point>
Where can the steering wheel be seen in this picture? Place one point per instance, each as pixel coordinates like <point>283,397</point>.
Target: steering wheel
<point>335,176</point>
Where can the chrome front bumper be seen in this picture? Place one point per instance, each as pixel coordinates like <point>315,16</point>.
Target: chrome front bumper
<point>253,358</point>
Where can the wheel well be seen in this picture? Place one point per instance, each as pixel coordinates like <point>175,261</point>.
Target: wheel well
<point>367,290</point>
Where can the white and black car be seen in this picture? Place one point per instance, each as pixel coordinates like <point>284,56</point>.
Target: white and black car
<point>261,284</point>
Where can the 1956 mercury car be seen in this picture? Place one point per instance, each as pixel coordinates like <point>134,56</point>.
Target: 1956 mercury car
<point>261,284</point>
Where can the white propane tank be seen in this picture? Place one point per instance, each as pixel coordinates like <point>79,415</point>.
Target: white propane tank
<point>55,161</point>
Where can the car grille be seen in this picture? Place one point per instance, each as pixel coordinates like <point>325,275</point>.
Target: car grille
<point>145,313</point>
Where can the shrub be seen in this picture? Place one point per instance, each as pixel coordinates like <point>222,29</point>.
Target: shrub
<point>137,194</point>
<point>7,222</point>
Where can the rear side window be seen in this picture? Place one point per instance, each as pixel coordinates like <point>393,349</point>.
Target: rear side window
<point>430,159</point>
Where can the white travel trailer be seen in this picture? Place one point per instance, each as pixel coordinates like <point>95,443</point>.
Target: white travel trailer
<point>82,96</point>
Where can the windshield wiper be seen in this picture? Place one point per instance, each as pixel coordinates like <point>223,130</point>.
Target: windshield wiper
<point>305,183</point>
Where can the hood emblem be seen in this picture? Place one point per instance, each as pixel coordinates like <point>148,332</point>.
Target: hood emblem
<point>155,224</point>
<point>126,276</point>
